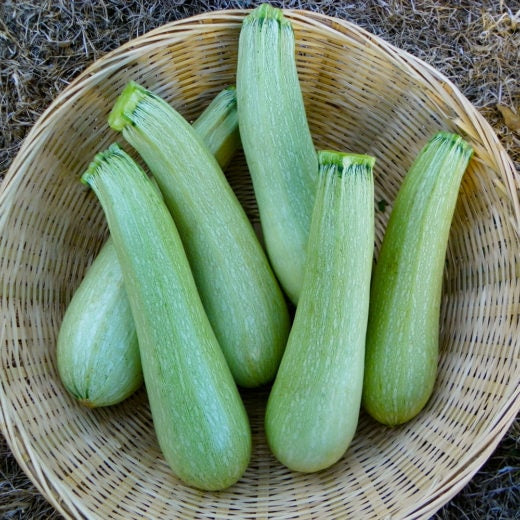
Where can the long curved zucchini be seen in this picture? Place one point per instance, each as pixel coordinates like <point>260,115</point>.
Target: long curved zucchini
<point>239,291</point>
<point>276,140</point>
<point>97,349</point>
<point>313,408</point>
<point>403,326</point>
<point>198,415</point>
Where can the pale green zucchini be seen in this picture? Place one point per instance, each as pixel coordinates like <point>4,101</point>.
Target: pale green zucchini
<point>313,408</point>
<point>218,126</point>
<point>97,350</point>
<point>198,415</point>
<point>276,140</point>
<point>239,291</point>
<point>403,327</point>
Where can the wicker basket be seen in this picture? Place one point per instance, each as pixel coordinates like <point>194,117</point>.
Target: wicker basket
<point>361,95</point>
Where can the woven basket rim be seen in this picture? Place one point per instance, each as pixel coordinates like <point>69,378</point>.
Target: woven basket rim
<point>56,493</point>
<point>321,21</point>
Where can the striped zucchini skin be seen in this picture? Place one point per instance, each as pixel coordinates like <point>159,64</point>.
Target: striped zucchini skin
<point>277,141</point>
<point>403,328</point>
<point>97,348</point>
<point>313,408</point>
<point>218,126</point>
<point>240,293</point>
<point>198,415</point>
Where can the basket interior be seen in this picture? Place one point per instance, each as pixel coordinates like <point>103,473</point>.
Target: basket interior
<point>361,96</point>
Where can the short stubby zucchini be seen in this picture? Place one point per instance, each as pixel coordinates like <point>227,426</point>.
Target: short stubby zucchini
<point>403,327</point>
<point>313,408</point>
<point>97,350</point>
<point>198,415</point>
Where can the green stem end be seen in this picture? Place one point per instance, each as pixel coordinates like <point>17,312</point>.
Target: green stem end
<point>345,162</point>
<point>125,105</point>
<point>99,159</point>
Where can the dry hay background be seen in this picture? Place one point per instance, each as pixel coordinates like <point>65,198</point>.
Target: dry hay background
<point>44,45</point>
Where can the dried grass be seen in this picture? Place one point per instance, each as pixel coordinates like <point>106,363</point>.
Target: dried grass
<point>43,45</point>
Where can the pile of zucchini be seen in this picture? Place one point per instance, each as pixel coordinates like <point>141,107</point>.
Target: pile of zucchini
<point>184,297</point>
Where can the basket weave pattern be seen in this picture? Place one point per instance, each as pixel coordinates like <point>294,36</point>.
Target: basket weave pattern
<point>361,95</point>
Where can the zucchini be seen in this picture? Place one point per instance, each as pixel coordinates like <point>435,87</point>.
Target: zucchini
<point>97,351</point>
<point>313,408</point>
<point>277,141</point>
<point>218,126</point>
<point>403,327</point>
<point>239,291</point>
<point>197,412</point>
